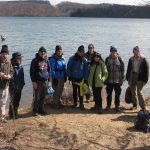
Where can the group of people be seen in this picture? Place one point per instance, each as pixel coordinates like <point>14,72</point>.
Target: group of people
<point>82,68</point>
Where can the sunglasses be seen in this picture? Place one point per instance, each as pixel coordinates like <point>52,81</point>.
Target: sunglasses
<point>42,51</point>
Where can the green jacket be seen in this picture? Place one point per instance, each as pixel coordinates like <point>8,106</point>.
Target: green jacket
<point>101,74</point>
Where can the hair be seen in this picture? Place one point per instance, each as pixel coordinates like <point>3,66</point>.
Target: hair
<point>98,55</point>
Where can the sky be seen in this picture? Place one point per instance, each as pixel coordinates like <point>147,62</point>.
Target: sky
<point>132,2</point>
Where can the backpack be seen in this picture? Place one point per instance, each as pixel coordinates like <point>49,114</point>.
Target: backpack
<point>128,96</point>
<point>142,121</point>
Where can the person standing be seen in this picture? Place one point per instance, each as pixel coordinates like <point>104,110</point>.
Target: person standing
<point>40,77</point>
<point>16,85</point>
<point>137,76</point>
<point>6,73</point>
<point>78,74</point>
<point>89,56</point>
<point>58,74</point>
<point>115,67</point>
<point>97,76</point>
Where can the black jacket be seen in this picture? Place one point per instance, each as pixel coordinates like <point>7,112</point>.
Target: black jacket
<point>39,69</point>
<point>143,74</point>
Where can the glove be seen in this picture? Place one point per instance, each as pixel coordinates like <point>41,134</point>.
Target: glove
<point>69,78</point>
<point>55,81</point>
<point>65,78</point>
<point>86,82</point>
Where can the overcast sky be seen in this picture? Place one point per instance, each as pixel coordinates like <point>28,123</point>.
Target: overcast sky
<point>134,2</point>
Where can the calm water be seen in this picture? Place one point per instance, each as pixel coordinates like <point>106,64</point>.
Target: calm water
<point>27,34</point>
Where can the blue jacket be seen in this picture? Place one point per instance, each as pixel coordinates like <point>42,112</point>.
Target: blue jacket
<point>58,66</point>
<point>77,68</point>
<point>17,83</point>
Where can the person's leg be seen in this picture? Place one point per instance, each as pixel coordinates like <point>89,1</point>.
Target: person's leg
<point>94,98</point>
<point>56,94</point>
<point>75,92</point>
<point>80,98</point>
<point>42,95</point>
<point>133,89</point>
<point>60,89</point>
<point>3,100</point>
<point>140,95</point>
<point>109,89</point>
<point>35,103</point>
<point>17,98</point>
<point>98,98</point>
<point>117,89</point>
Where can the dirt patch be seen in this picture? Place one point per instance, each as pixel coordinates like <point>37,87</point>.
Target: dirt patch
<point>73,129</point>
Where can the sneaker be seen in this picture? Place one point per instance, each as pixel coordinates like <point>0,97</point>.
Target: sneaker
<point>117,109</point>
<point>100,111</point>
<point>94,108</point>
<point>3,120</point>
<point>43,113</point>
<point>74,106</point>
<point>82,107</point>
<point>35,114</point>
<point>107,108</point>
<point>133,108</point>
<point>18,116</point>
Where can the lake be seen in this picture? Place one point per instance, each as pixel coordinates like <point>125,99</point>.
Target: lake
<point>28,34</point>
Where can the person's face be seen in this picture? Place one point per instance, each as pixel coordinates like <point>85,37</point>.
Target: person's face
<point>18,60</point>
<point>42,53</point>
<point>136,54</point>
<point>81,54</point>
<point>113,54</point>
<point>90,49</point>
<point>96,58</point>
<point>4,56</point>
<point>59,52</point>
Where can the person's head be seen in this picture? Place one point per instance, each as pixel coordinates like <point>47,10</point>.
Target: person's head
<point>97,57</point>
<point>16,58</point>
<point>113,51</point>
<point>136,52</point>
<point>42,52</point>
<point>81,51</point>
<point>58,50</point>
<point>4,52</point>
<point>90,48</point>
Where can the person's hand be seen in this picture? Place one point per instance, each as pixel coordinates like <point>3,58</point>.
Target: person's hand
<point>65,78</point>
<point>9,76</point>
<point>34,85</point>
<point>55,81</point>
<point>86,82</point>
<point>1,74</point>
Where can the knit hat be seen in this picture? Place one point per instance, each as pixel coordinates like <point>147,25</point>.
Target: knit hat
<point>136,48</point>
<point>42,49</point>
<point>81,49</point>
<point>4,49</point>
<point>58,47</point>
<point>112,48</point>
<point>16,55</point>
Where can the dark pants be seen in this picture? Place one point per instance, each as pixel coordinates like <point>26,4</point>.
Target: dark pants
<point>39,97</point>
<point>14,103</point>
<point>76,94</point>
<point>97,96</point>
<point>109,89</point>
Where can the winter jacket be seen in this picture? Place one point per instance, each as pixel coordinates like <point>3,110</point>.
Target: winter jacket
<point>143,73</point>
<point>77,68</point>
<point>99,75</point>
<point>115,69</point>
<point>17,82</point>
<point>58,66</point>
<point>6,68</point>
<point>39,69</point>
